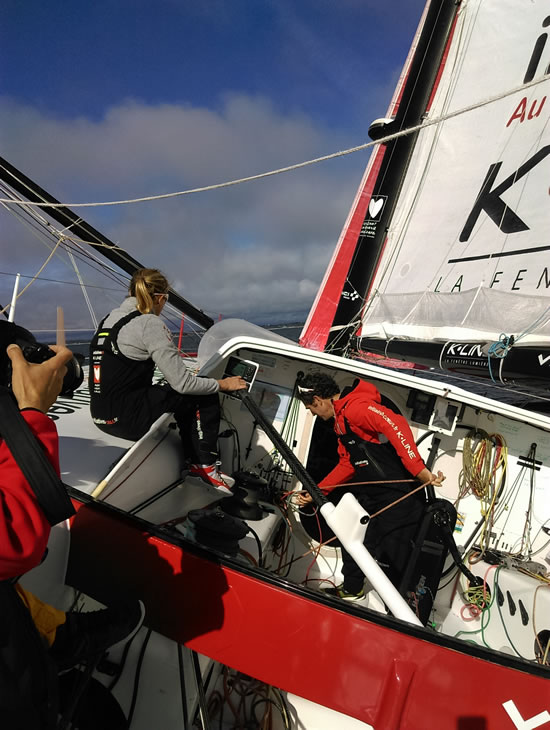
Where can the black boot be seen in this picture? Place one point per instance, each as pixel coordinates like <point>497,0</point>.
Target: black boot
<point>86,636</point>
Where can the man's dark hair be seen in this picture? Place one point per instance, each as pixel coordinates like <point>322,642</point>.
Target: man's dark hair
<point>316,384</point>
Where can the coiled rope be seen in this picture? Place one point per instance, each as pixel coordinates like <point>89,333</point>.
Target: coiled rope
<point>483,472</point>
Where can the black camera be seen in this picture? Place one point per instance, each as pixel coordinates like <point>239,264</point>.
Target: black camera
<point>36,352</point>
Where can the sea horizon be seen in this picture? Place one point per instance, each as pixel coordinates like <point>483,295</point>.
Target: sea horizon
<point>79,340</point>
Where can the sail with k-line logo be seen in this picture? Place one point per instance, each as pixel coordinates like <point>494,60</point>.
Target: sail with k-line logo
<point>445,258</point>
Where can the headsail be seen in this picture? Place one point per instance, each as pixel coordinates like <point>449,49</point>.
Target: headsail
<point>467,254</point>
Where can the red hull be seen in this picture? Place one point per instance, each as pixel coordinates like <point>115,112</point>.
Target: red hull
<point>372,671</point>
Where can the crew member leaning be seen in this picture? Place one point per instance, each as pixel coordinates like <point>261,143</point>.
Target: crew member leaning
<point>362,425</point>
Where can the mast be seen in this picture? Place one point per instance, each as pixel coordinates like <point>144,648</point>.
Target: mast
<point>415,97</point>
<point>90,235</point>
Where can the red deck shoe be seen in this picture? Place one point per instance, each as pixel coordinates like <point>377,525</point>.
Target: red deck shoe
<point>210,474</point>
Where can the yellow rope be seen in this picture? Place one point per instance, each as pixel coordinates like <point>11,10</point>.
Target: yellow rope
<point>484,460</point>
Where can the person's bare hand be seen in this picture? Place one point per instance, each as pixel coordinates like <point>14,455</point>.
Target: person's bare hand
<point>426,477</point>
<point>37,385</point>
<point>303,498</point>
<point>235,382</point>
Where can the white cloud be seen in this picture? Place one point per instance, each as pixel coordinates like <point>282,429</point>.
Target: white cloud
<point>258,249</point>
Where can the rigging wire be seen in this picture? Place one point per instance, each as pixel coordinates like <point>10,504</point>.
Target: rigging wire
<point>74,248</point>
<point>83,289</point>
<point>45,231</point>
<point>58,281</point>
<point>34,278</point>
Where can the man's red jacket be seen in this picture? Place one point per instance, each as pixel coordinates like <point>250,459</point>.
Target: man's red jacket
<point>368,419</point>
<point>24,529</point>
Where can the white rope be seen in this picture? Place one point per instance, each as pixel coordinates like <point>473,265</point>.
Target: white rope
<point>290,168</point>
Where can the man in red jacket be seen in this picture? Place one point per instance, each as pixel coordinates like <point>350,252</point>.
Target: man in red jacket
<point>374,444</point>
<point>28,683</point>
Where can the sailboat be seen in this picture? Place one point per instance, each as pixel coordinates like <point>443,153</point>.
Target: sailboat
<point>252,602</point>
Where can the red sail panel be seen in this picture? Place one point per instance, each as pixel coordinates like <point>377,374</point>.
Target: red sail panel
<point>321,316</point>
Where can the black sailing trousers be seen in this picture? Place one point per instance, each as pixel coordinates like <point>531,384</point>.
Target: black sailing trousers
<point>389,537</point>
<point>197,416</point>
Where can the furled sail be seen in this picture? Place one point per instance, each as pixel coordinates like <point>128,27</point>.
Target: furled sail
<point>464,265</point>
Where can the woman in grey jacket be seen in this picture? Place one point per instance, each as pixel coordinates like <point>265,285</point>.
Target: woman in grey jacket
<point>124,351</point>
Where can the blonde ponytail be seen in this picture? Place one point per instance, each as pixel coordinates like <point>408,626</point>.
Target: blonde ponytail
<point>144,284</point>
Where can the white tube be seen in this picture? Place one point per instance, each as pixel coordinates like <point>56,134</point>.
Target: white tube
<point>11,315</point>
<point>344,519</point>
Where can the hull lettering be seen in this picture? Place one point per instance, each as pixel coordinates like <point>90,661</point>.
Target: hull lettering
<point>530,723</point>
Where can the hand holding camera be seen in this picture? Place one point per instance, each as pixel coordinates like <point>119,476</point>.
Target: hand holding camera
<point>38,385</point>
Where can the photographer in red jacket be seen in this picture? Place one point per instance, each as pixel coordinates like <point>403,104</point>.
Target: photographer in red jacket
<point>28,676</point>
<point>37,640</point>
<point>24,529</point>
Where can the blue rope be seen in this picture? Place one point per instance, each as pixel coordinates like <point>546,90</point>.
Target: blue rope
<point>499,350</point>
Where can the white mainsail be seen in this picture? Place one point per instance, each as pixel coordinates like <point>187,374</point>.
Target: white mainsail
<point>457,249</point>
<point>468,251</point>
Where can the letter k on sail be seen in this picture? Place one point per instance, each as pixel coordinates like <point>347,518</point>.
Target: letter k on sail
<point>530,724</point>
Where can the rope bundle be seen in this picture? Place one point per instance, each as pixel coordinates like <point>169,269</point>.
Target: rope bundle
<point>483,471</point>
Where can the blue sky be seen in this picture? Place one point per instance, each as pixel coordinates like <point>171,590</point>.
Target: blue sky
<point>119,99</point>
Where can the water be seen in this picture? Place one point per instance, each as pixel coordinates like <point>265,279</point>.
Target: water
<point>190,340</point>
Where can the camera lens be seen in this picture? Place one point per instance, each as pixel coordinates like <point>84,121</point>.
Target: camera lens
<point>37,353</point>
<point>73,377</point>
<point>33,351</point>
